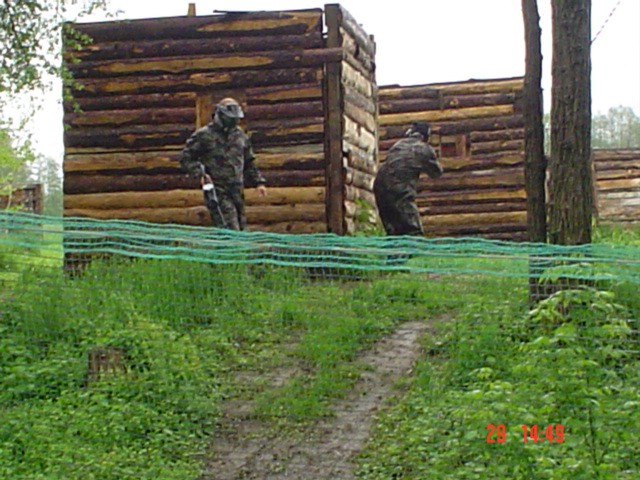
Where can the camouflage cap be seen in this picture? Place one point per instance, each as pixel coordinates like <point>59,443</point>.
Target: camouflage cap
<point>230,108</point>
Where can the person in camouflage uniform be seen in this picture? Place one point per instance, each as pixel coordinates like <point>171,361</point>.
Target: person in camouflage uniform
<point>221,153</point>
<point>396,183</point>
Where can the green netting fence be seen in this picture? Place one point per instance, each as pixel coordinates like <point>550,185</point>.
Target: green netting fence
<point>131,350</point>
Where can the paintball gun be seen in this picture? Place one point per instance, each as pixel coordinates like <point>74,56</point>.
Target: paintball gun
<point>211,200</point>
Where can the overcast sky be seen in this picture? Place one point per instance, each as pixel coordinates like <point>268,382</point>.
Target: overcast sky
<point>428,41</point>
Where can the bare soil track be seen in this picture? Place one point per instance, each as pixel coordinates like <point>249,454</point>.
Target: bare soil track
<point>245,447</point>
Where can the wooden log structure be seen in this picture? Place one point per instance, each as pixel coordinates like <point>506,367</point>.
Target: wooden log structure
<point>478,134</point>
<point>617,185</point>
<point>26,199</point>
<point>143,86</point>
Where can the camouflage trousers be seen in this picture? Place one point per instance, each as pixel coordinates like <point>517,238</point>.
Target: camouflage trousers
<point>398,211</point>
<point>229,212</point>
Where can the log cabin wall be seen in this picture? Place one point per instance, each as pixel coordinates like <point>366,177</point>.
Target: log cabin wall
<point>144,85</point>
<point>617,182</point>
<point>478,133</point>
<point>352,119</point>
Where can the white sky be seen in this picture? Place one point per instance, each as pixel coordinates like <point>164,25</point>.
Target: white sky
<point>426,41</point>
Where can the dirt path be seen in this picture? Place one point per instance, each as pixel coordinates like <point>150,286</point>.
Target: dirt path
<point>246,448</point>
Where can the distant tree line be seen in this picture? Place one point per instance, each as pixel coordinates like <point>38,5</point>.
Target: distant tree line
<point>618,128</point>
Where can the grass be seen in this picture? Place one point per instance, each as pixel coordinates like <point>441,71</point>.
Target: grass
<point>188,329</point>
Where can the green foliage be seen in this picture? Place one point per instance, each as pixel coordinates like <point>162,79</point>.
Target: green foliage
<point>30,33</point>
<point>619,128</point>
<point>573,360</point>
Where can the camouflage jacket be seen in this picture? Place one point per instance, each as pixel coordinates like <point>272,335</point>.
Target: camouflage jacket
<point>405,161</point>
<point>226,155</point>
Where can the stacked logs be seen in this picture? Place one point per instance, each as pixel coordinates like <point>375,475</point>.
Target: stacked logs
<point>352,135</point>
<point>617,183</point>
<point>478,133</point>
<point>136,101</point>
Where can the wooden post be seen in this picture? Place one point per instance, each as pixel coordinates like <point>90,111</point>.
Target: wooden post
<point>334,127</point>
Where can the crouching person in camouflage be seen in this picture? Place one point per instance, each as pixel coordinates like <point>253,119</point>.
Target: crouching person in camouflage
<point>396,183</point>
<point>220,153</point>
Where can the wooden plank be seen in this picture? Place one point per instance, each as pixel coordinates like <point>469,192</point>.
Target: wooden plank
<point>496,146</point>
<point>291,59</point>
<point>471,196</point>
<point>238,24</point>
<point>201,46</point>
<point>198,82</point>
<point>334,127</point>
<point>134,162</point>
<point>262,214</point>
<point>118,118</point>
<point>446,115</point>
<point>477,219</point>
<point>188,198</point>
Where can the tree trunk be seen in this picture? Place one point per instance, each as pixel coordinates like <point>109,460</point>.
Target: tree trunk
<point>571,194</point>
<point>535,164</point>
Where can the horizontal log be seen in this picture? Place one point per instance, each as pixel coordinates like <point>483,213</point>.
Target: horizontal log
<point>76,184</point>
<point>466,197</point>
<point>237,24</point>
<point>200,46</point>
<point>312,133</point>
<point>618,185</point>
<point>508,134</point>
<point>518,206</point>
<point>134,162</point>
<point>479,100</point>
<point>457,127</point>
<point>624,213</point>
<point>616,154</point>
<point>446,115</point>
<point>514,231</point>
<point>489,179</point>
<point>271,60</point>
<point>284,110</point>
<point>617,174</point>
<point>154,116</point>
<point>503,85</point>
<point>392,92</point>
<point>198,82</point>
<point>409,105</point>
<point>284,93</point>
<point>169,162</point>
<point>129,137</point>
<point>608,165</point>
<point>118,118</point>
<point>256,216</point>
<point>188,198</point>
<point>290,227</point>
<point>475,219</point>
<point>132,102</point>
<point>478,148</point>
<point>466,164</point>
